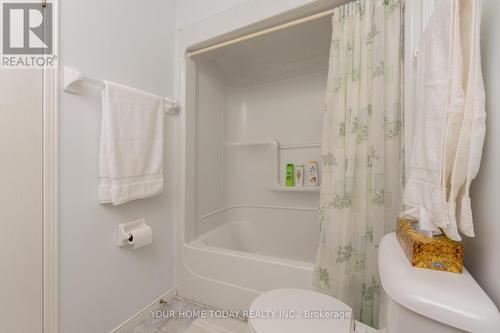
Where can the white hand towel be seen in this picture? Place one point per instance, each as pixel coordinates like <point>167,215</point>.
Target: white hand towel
<point>131,149</point>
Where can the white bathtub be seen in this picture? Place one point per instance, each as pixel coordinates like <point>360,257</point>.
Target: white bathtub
<point>231,264</point>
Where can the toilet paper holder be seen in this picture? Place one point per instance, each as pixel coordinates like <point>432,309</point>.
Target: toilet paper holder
<point>125,231</point>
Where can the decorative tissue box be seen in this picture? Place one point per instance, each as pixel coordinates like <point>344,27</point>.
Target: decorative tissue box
<point>438,253</point>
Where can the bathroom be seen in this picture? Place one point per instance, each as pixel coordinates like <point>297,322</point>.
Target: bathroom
<point>226,227</point>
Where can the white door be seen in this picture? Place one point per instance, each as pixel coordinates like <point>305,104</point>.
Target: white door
<point>21,201</point>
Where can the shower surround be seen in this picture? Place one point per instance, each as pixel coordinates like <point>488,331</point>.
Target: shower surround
<point>251,108</point>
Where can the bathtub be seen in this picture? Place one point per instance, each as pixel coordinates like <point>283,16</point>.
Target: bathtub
<point>231,263</point>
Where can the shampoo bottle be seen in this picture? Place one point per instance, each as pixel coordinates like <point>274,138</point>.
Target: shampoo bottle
<point>290,175</point>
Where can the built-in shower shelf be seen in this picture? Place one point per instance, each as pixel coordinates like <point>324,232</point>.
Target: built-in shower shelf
<point>281,188</point>
<point>275,146</point>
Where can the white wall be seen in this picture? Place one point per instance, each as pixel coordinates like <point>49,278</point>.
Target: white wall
<point>191,11</point>
<point>482,251</point>
<point>102,285</point>
<point>21,200</point>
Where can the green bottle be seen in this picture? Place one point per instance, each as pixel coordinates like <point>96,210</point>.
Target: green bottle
<point>290,175</point>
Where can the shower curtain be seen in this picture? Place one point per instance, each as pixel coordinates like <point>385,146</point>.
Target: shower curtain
<point>362,153</point>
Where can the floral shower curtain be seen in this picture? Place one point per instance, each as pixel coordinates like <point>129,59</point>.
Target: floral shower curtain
<point>361,152</point>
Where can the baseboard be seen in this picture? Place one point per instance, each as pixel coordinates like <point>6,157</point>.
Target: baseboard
<point>143,314</point>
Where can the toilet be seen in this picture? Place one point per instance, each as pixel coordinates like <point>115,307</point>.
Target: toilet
<point>414,301</point>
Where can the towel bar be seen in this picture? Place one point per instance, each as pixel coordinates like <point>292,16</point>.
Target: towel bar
<point>73,80</point>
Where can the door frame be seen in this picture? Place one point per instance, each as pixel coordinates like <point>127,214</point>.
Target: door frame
<point>50,201</point>
<point>50,190</point>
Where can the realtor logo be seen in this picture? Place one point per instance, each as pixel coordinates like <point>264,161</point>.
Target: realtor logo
<point>28,34</point>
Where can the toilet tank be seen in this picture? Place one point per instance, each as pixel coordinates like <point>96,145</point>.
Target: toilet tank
<point>421,300</point>
<point>395,318</point>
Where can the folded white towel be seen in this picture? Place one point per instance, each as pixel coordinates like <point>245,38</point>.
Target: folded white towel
<point>131,150</point>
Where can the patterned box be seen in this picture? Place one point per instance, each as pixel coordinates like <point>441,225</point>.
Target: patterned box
<point>438,253</point>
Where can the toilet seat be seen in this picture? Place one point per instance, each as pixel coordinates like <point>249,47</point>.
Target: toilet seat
<point>298,311</point>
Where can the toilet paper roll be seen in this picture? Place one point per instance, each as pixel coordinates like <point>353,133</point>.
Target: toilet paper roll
<point>141,237</point>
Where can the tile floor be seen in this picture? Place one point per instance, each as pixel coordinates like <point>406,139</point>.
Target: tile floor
<point>168,320</point>
<point>217,326</point>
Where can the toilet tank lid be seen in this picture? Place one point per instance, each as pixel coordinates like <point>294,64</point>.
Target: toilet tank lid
<point>453,299</point>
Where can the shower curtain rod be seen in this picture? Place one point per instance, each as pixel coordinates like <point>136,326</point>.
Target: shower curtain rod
<point>261,33</point>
